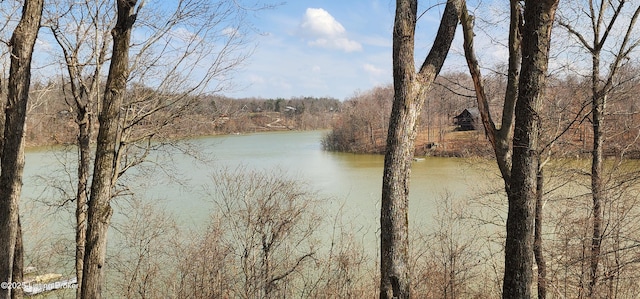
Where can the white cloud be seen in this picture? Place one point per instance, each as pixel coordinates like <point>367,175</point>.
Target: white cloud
<point>372,69</point>
<point>326,31</point>
<point>318,22</point>
<point>338,43</point>
<point>43,45</point>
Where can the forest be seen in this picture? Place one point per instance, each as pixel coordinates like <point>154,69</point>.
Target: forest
<point>361,126</point>
<point>558,120</point>
<point>53,122</point>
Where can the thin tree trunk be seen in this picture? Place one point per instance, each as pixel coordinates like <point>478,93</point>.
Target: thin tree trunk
<point>603,16</point>
<point>410,89</point>
<point>598,102</point>
<point>105,169</point>
<point>537,239</point>
<point>18,263</point>
<point>84,97</point>
<point>597,188</point>
<point>84,162</point>
<point>12,160</point>
<point>538,21</point>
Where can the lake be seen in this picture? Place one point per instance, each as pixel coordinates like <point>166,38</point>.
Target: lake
<point>350,182</point>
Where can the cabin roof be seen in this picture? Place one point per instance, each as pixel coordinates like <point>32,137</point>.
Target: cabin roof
<point>473,112</point>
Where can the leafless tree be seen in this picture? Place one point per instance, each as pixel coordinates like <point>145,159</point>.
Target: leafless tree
<point>105,172</point>
<point>410,89</point>
<point>143,259</point>
<point>445,258</point>
<point>344,270</point>
<point>363,123</point>
<point>269,222</point>
<point>206,264</point>
<point>12,144</point>
<point>605,18</point>
<point>524,91</point>
<point>178,56</point>
<point>81,31</point>
<point>500,137</point>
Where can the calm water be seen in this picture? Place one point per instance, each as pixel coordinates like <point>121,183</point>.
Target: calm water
<point>351,182</point>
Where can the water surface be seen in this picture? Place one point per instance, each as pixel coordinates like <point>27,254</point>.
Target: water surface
<point>351,183</point>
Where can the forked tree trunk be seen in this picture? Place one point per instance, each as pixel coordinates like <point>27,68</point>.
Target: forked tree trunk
<point>84,99</point>
<point>12,160</point>
<point>410,89</point>
<point>538,21</point>
<point>500,138</point>
<point>105,168</point>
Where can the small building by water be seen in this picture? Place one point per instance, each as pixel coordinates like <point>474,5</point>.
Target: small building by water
<point>468,120</point>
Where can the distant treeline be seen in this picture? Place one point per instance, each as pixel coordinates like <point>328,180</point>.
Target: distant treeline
<point>257,114</point>
<point>359,124</point>
<point>361,127</point>
<point>51,120</point>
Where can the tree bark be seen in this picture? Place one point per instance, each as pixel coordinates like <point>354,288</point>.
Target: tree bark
<point>598,106</point>
<point>84,162</point>
<point>12,160</point>
<point>409,92</point>
<point>85,93</point>
<point>83,120</point>
<point>538,21</point>
<point>82,105</point>
<point>105,167</point>
<point>18,263</point>
<point>537,236</point>
<point>597,187</point>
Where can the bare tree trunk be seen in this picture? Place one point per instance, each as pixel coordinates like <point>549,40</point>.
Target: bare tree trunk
<point>597,188</point>
<point>500,138</point>
<point>105,168</point>
<point>82,105</point>
<point>538,21</point>
<point>84,162</point>
<point>598,106</point>
<point>410,89</point>
<point>12,160</point>
<point>82,99</point>
<point>18,263</point>
<point>537,238</point>
<point>603,16</point>
<point>84,93</point>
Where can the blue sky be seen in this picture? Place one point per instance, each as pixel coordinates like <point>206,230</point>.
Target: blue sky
<point>326,48</point>
<point>331,48</point>
<point>336,48</point>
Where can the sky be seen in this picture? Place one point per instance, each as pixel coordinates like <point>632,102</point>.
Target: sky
<point>336,48</point>
<point>322,48</point>
<point>319,48</point>
<point>339,48</point>
<point>325,48</point>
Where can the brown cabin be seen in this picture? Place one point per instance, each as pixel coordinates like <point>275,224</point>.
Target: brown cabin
<point>468,120</point>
